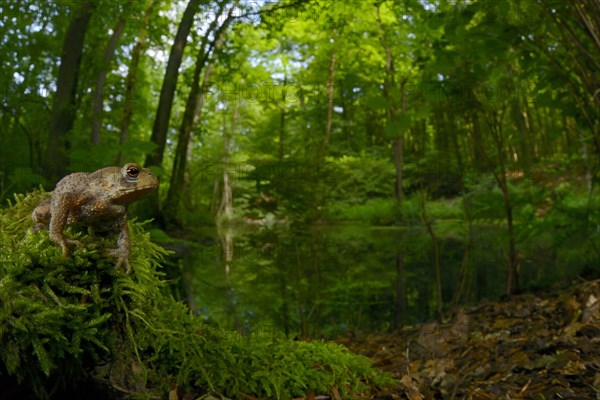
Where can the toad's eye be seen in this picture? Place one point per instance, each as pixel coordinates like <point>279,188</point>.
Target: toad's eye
<point>133,172</point>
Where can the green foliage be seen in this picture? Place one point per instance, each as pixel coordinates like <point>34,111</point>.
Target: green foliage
<point>379,211</point>
<point>484,204</point>
<point>60,319</point>
<point>374,211</point>
<point>568,230</point>
<point>445,209</point>
<point>356,179</point>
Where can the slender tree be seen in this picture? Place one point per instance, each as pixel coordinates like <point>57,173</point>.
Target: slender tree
<point>56,158</point>
<point>193,109</point>
<point>330,94</point>
<point>165,103</point>
<point>131,81</point>
<point>388,87</point>
<point>108,55</point>
<point>167,92</point>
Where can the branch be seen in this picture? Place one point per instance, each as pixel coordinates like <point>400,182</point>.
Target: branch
<point>276,8</point>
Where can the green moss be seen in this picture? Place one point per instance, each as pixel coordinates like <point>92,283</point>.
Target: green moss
<point>63,320</point>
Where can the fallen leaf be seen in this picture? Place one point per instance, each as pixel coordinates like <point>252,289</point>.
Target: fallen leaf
<point>411,387</point>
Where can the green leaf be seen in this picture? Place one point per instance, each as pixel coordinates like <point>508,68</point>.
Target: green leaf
<point>397,128</point>
<point>42,355</point>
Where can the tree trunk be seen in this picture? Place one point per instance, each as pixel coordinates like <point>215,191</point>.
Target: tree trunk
<point>398,161</point>
<point>436,252</point>
<point>149,205</point>
<point>464,268</point>
<point>131,82</point>
<point>225,235</point>
<point>285,299</point>
<point>193,108</point>
<point>586,160</point>
<point>282,115</point>
<point>398,148</point>
<point>56,159</point>
<point>512,283</point>
<point>398,143</point>
<point>494,120</point>
<point>328,121</point>
<point>167,93</point>
<point>479,156</point>
<point>178,185</point>
<point>400,313</point>
<point>226,207</point>
<point>456,148</point>
<point>109,52</point>
<point>524,159</point>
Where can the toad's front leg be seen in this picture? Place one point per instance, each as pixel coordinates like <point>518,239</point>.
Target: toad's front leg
<point>121,253</point>
<point>58,221</point>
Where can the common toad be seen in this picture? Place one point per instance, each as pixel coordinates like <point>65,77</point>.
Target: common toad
<point>98,199</point>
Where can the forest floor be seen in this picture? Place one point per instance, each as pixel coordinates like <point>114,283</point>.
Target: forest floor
<point>544,346</point>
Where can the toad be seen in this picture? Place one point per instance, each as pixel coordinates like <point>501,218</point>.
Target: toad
<point>98,199</point>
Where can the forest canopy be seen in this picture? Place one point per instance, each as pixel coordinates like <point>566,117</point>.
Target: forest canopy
<point>310,110</point>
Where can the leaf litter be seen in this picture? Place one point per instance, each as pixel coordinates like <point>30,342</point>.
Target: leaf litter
<point>528,347</point>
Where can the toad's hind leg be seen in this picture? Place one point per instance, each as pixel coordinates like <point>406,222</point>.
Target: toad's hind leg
<point>41,216</point>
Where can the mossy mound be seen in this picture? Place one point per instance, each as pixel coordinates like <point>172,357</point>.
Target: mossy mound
<point>67,321</point>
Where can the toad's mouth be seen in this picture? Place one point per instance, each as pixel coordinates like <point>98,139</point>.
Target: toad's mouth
<point>136,188</point>
<point>126,195</point>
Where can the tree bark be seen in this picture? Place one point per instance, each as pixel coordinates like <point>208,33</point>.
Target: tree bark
<point>464,268</point>
<point>479,156</point>
<point>401,304</point>
<point>398,161</point>
<point>524,146</point>
<point>436,252</point>
<point>193,109</point>
<point>398,143</point>
<point>328,121</point>
<point>282,116</point>
<point>167,93</point>
<point>494,122</point>
<point>456,146</point>
<point>56,158</point>
<point>109,53</point>
<point>131,82</point>
<point>226,206</point>
<point>512,283</point>
<point>589,178</point>
<point>149,206</point>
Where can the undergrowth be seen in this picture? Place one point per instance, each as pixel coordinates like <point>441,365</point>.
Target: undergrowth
<point>64,321</point>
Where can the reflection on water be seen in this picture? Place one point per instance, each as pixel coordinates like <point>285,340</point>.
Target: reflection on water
<point>323,281</point>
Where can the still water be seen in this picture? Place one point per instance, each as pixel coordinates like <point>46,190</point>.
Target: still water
<point>325,281</point>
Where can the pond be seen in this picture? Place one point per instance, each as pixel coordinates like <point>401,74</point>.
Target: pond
<point>328,280</point>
